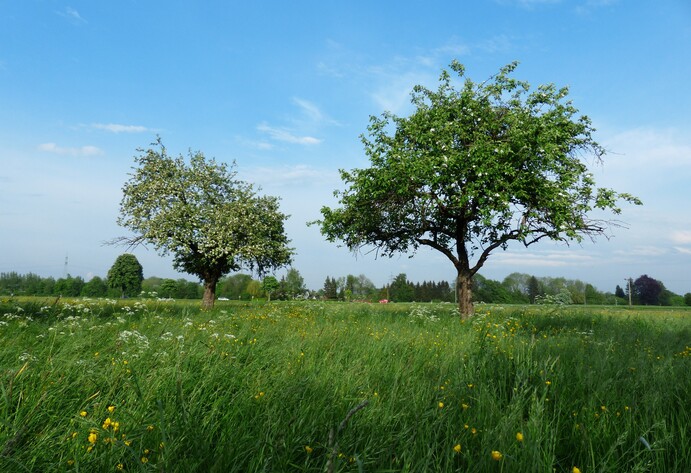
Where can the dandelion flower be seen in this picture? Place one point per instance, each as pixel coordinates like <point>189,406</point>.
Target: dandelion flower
<point>519,436</point>
<point>308,449</point>
<point>497,455</point>
<point>441,404</point>
<point>457,448</point>
<point>575,469</point>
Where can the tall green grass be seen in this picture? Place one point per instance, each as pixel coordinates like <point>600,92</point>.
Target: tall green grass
<point>161,386</point>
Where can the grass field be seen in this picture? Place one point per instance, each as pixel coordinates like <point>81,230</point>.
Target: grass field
<point>312,386</point>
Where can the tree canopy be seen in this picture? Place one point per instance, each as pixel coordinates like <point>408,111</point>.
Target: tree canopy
<point>197,211</point>
<point>470,170</point>
<point>126,275</point>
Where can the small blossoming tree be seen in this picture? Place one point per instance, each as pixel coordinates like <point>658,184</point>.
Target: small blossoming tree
<point>197,211</point>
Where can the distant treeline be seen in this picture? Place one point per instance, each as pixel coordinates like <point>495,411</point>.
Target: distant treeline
<point>75,286</point>
<point>516,288</point>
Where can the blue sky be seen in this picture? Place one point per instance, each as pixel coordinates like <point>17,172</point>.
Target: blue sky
<point>286,88</point>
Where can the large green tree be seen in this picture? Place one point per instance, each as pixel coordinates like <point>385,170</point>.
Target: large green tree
<point>473,168</point>
<point>126,275</point>
<point>197,211</point>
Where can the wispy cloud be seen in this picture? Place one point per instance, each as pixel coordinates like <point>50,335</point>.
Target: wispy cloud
<point>286,135</point>
<point>547,259</point>
<point>643,251</point>
<point>527,3</point>
<point>70,151</point>
<point>686,251</point>
<point>650,147</point>
<point>118,128</point>
<point>72,15</point>
<point>312,113</point>
<point>285,176</point>
<point>682,237</point>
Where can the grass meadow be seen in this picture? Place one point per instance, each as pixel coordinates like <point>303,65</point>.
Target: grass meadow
<point>105,385</point>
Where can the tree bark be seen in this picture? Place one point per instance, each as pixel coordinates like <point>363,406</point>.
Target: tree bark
<point>209,294</point>
<point>464,294</point>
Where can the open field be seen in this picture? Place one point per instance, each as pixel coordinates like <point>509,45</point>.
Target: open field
<point>312,386</point>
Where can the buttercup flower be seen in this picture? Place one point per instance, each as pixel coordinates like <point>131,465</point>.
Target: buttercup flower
<point>519,436</point>
<point>457,448</point>
<point>497,455</point>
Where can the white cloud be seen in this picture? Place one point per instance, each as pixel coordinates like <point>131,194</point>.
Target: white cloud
<point>643,251</point>
<point>681,237</point>
<point>72,14</point>
<point>117,128</point>
<point>67,151</point>
<point>300,174</point>
<point>649,147</point>
<point>285,135</point>
<point>548,259</point>
<point>686,251</point>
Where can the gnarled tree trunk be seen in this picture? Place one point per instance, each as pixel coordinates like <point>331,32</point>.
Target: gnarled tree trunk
<point>209,293</point>
<point>464,294</point>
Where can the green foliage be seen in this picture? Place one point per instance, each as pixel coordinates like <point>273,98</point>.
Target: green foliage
<point>400,290</point>
<point>200,213</point>
<point>96,287</point>
<point>472,169</point>
<point>269,285</point>
<point>69,286</point>
<point>126,275</point>
<point>251,387</point>
<point>687,298</point>
<point>294,284</point>
<point>234,287</point>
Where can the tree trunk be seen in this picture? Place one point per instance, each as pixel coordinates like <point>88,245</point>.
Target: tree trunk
<point>464,293</point>
<point>209,294</point>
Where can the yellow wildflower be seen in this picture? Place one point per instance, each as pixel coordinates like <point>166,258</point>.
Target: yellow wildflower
<point>441,404</point>
<point>106,423</point>
<point>308,449</point>
<point>93,437</point>
<point>83,414</point>
<point>119,467</point>
<point>457,448</point>
<point>465,406</point>
<point>111,408</point>
<point>497,455</point>
<point>576,470</point>
<point>548,383</point>
<point>145,460</point>
<point>519,436</point>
